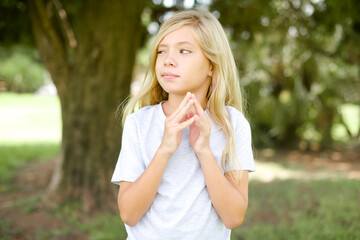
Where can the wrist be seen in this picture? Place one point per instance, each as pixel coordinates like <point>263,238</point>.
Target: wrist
<point>203,153</point>
<point>163,151</point>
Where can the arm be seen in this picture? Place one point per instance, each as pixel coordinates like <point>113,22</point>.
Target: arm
<point>229,199</point>
<point>135,198</point>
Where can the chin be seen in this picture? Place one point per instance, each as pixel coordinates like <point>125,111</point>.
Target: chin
<point>176,92</point>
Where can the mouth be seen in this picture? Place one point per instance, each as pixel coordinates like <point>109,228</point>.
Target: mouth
<point>169,75</point>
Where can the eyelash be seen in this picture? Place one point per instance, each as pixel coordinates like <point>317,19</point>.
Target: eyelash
<point>183,51</point>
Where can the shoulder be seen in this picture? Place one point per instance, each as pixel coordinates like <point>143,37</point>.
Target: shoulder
<point>237,118</point>
<point>142,113</point>
<point>145,118</point>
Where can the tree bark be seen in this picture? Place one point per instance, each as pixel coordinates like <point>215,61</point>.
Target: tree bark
<point>92,73</point>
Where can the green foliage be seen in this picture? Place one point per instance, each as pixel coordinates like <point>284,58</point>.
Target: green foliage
<point>20,70</point>
<point>14,23</point>
<point>299,63</point>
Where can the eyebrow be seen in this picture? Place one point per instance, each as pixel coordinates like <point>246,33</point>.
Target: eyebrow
<point>178,43</point>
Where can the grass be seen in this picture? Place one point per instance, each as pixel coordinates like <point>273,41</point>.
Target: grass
<point>30,127</point>
<point>282,208</point>
<point>278,210</point>
<point>101,226</point>
<point>302,209</point>
<point>14,156</point>
<point>29,118</point>
<point>6,230</point>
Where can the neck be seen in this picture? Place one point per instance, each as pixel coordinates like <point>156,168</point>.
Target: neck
<point>174,101</point>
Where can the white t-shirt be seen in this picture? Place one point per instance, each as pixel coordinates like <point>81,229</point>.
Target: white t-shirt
<point>182,208</point>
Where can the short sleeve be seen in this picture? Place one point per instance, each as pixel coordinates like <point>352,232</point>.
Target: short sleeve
<point>243,143</point>
<point>129,165</point>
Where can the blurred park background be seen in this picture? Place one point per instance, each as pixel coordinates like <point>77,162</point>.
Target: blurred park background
<point>65,66</point>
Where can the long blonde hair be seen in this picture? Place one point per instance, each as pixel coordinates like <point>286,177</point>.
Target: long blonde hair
<point>224,88</point>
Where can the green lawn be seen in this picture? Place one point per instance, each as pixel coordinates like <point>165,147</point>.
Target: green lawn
<point>284,208</point>
<point>29,118</point>
<point>30,130</point>
<point>302,209</point>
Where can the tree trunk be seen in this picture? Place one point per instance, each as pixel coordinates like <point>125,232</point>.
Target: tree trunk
<point>90,57</point>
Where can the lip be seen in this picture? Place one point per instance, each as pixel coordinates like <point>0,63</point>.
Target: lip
<point>169,75</point>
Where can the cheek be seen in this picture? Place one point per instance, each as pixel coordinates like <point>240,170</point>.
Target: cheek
<point>157,68</point>
<point>201,67</point>
<point>200,71</point>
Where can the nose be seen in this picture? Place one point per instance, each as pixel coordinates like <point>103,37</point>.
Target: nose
<point>169,61</point>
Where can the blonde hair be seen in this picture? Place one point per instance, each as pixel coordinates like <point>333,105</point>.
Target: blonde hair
<point>224,88</point>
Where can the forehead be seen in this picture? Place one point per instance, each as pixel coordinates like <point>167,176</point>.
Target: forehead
<point>181,35</point>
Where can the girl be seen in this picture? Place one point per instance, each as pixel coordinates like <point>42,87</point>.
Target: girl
<point>185,156</point>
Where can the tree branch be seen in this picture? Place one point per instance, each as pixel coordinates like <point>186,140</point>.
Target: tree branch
<point>49,43</point>
<point>44,20</point>
<point>65,23</point>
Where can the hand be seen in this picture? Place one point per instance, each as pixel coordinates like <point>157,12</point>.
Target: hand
<point>175,123</point>
<point>200,129</point>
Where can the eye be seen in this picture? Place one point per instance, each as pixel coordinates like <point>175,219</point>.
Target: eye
<point>185,51</point>
<point>160,51</point>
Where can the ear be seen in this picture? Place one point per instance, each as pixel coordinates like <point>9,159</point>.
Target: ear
<point>211,71</point>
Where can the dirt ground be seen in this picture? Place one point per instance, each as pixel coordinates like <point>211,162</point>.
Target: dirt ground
<point>32,179</point>
<point>339,161</point>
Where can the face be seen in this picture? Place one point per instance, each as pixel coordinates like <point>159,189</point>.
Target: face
<point>181,65</point>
